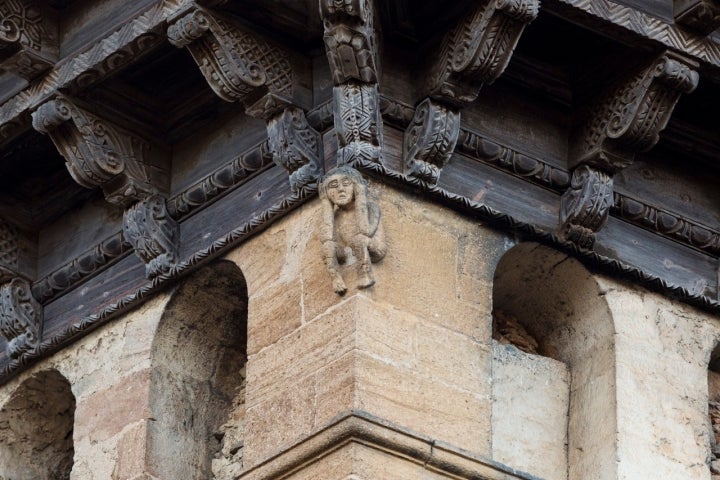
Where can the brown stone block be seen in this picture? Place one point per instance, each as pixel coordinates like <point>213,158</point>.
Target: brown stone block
<point>335,387</point>
<point>131,453</point>
<point>104,414</point>
<point>336,465</point>
<point>262,258</point>
<point>301,353</point>
<point>279,422</point>
<point>424,405</point>
<point>273,313</point>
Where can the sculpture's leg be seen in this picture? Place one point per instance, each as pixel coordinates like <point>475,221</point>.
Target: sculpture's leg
<point>360,250</point>
<point>331,263</point>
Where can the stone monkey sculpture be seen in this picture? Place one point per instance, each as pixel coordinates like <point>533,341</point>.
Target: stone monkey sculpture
<point>350,220</point>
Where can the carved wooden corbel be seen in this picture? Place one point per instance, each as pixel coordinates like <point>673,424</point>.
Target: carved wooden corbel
<point>20,313</point>
<point>153,233</point>
<point>350,44</point>
<point>629,120</point>
<point>622,123</point>
<point>700,16</point>
<point>475,53</point>
<point>97,152</point>
<point>296,146</point>
<point>28,38</point>
<point>430,139</point>
<point>584,207</point>
<point>240,66</point>
<point>101,154</point>
<point>478,50</point>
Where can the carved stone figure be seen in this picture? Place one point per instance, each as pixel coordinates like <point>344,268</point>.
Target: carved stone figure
<point>350,220</point>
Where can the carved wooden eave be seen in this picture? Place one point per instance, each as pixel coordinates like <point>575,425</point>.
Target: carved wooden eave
<point>243,119</point>
<point>701,16</point>
<point>28,38</point>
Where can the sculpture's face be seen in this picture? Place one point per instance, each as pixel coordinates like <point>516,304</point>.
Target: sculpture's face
<point>340,190</point>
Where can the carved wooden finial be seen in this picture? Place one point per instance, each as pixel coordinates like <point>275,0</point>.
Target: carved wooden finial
<point>623,122</point>
<point>28,40</point>
<point>475,53</point>
<point>351,221</point>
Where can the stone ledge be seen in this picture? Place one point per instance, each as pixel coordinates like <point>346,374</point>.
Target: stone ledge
<point>363,428</point>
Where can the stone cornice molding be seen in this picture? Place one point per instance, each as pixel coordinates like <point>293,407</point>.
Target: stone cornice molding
<point>359,427</point>
<point>28,38</point>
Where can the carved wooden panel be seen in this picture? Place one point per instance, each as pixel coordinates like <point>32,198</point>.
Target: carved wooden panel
<point>28,38</point>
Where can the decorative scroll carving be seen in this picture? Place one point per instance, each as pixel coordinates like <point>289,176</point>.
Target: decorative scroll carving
<point>237,65</point>
<point>630,119</point>
<point>477,51</point>
<point>154,235</point>
<point>28,44</point>
<point>296,146</point>
<point>430,140</point>
<point>20,317</point>
<point>97,153</point>
<point>585,205</point>
<point>350,40</point>
<point>350,221</point>
<point>701,16</point>
<point>514,162</point>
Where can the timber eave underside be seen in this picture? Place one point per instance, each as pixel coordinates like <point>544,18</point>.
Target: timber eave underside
<point>501,179</point>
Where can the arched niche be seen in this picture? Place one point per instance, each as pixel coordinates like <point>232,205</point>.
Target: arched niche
<point>197,383</point>
<point>36,429</point>
<point>714,411</point>
<point>554,411</point>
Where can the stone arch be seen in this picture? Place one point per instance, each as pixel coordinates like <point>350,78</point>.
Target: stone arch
<point>36,429</point>
<point>197,380</point>
<point>565,391</point>
<point>714,411</point>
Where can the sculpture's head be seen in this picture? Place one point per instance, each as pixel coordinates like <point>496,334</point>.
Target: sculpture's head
<point>342,185</point>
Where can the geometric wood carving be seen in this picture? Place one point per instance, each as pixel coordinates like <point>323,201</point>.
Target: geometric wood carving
<point>295,146</point>
<point>238,64</point>
<point>20,317</point>
<point>358,123</point>
<point>28,40</point>
<point>350,40</point>
<point>97,152</point>
<point>629,119</point>
<point>430,140</point>
<point>584,207</point>
<point>478,50</point>
<point>8,248</point>
<point>153,234</point>
<point>700,16</point>
<point>350,44</point>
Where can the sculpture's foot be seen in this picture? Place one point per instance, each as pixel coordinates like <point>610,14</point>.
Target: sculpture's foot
<point>339,286</point>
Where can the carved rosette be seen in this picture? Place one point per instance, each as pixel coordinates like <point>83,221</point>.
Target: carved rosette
<point>28,45</point>
<point>296,147</point>
<point>358,124</point>
<point>584,207</point>
<point>700,16</point>
<point>478,50</point>
<point>631,118</point>
<point>97,153</point>
<point>350,40</point>
<point>153,233</point>
<point>430,140</point>
<point>20,317</point>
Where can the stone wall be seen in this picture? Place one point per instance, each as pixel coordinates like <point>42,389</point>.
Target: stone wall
<point>254,364</point>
